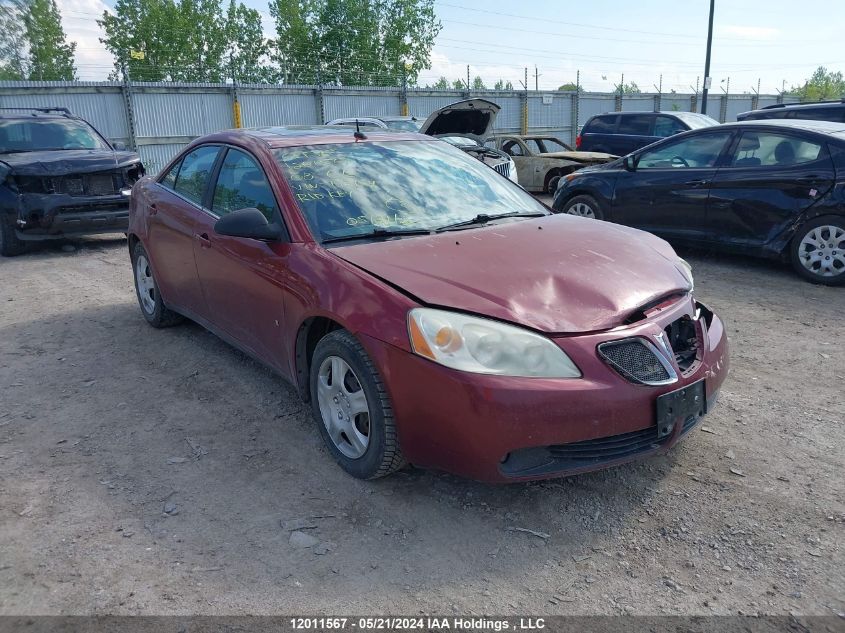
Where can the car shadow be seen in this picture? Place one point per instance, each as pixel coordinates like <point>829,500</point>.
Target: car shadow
<point>176,416</point>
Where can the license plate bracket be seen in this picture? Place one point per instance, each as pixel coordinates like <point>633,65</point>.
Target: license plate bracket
<point>677,406</point>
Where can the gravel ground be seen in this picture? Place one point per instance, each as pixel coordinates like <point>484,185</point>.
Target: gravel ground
<point>152,471</point>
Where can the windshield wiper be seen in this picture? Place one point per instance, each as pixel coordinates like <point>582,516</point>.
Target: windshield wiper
<point>377,233</point>
<point>483,218</point>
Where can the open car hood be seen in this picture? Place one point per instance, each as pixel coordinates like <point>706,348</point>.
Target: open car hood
<point>471,117</point>
<point>572,275</point>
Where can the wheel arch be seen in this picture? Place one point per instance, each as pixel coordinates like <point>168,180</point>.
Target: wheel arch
<point>308,334</point>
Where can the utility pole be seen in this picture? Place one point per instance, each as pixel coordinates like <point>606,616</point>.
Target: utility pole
<point>536,80</point>
<point>467,76</point>
<point>707,59</point>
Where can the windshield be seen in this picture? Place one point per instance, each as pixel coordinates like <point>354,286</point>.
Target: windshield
<point>695,120</point>
<point>32,135</point>
<point>354,188</point>
<point>406,125</point>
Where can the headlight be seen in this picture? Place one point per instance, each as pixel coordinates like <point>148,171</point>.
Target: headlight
<point>687,270</point>
<point>483,346</point>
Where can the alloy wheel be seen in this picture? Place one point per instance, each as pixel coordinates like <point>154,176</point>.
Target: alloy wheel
<point>343,407</point>
<point>822,251</point>
<point>582,209</point>
<point>146,285</point>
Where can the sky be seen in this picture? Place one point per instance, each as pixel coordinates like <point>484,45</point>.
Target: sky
<point>778,42</point>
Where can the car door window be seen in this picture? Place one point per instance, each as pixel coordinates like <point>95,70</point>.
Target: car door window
<point>667,126</point>
<point>554,145</point>
<point>195,171</point>
<point>169,179</point>
<point>533,146</point>
<point>701,150</point>
<point>636,124</point>
<point>512,148</point>
<point>601,125</point>
<point>242,184</point>
<point>770,149</point>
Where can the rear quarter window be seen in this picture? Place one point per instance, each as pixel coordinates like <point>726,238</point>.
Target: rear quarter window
<point>636,124</point>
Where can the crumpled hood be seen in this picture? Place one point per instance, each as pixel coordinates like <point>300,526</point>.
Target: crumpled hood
<point>560,273</point>
<point>582,157</point>
<point>67,161</point>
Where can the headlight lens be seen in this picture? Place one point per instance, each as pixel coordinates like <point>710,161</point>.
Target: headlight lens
<point>687,270</point>
<point>483,346</point>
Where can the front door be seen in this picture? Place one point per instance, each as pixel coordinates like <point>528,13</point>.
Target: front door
<point>516,149</point>
<point>667,193</point>
<point>771,178</point>
<point>243,280</point>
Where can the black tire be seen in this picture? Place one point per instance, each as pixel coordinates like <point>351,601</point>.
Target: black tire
<point>382,455</point>
<point>158,315</point>
<point>576,205</point>
<point>10,244</point>
<point>552,180</point>
<point>832,259</point>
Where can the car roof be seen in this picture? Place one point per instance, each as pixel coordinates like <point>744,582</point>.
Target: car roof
<point>294,135</point>
<point>830,128</point>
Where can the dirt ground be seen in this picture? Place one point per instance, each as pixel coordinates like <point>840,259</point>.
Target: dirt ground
<point>152,471</point>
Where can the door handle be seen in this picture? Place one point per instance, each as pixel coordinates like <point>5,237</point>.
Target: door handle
<point>203,240</point>
<point>152,209</point>
<point>697,183</point>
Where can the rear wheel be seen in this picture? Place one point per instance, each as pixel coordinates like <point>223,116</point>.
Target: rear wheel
<point>352,409</point>
<point>552,181</point>
<point>818,251</point>
<point>10,244</point>
<point>584,206</point>
<point>149,299</point>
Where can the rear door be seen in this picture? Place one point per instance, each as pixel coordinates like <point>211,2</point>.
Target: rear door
<point>668,192</point>
<point>635,130</point>
<point>771,178</point>
<point>243,280</point>
<point>599,134</point>
<point>172,208</point>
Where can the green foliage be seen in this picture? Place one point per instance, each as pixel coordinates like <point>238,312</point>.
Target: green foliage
<point>821,86</point>
<point>186,40</point>
<point>628,89</point>
<point>571,87</point>
<point>50,56</point>
<point>13,61</point>
<point>503,85</point>
<point>441,84</point>
<point>353,42</point>
<point>478,84</point>
<point>459,84</point>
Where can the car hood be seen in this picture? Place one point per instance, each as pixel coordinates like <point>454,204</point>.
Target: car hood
<point>556,274</point>
<point>582,157</point>
<point>68,161</point>
<point>473,118</point>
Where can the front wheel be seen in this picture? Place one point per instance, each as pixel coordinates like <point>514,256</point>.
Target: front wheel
<point>818,251</point>
<point>584,206</point>
<point>149,299</point>
<point>352,409</point>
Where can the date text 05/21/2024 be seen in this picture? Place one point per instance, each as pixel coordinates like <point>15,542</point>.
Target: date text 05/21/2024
<point>416,623</point>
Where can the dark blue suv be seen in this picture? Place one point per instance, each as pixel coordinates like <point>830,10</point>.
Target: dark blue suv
<point>621,133</point>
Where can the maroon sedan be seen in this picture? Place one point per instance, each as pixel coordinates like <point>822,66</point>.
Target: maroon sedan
<point>430,310</point>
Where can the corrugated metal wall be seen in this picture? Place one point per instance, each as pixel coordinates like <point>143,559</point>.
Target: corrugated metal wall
<point>167,115</point>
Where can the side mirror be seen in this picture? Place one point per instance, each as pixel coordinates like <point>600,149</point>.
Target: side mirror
<point>249,223</point>
<point>119,146</point>
<point>629,163</point>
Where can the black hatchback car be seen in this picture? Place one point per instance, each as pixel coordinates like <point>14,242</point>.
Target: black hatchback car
<point>623,132</point>
<point>766,188</point>
<point>59,178</point>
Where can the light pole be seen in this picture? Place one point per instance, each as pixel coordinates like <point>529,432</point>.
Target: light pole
<point>707,60</point>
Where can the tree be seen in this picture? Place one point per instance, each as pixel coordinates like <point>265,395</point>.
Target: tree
<point>246,52</point>
<point>503,85</point>
<point>478,84</point>
<point>441,84</point>
<point>347,42</point>
<point>570,87</point>
<point>50,56</point>
<point>820,86</point>
<point>628,89</point>
<point>459,84</point>
<point>13,63</point>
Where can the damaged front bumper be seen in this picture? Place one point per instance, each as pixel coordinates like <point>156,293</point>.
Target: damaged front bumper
<point>57,216</point>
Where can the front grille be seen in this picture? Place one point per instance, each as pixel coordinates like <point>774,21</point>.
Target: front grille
<point>683,339</point>
<point>105,183</point>
<point>606,449</point>
<point>637,361</point>
<point>504,169</point>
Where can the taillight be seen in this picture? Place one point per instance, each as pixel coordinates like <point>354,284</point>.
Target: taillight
<point>578,142</point>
